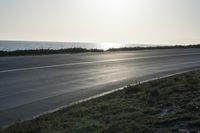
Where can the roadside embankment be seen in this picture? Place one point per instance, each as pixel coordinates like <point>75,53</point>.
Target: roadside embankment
<point>170,104</point>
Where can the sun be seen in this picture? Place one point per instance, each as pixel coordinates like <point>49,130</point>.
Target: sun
<point>115,5</point>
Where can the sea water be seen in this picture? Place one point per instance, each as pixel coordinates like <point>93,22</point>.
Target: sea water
<point>26,45</point>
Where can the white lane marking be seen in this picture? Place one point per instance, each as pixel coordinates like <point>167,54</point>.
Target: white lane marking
<point>90,62</point>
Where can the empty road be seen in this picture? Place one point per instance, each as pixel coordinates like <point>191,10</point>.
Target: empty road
<point>33,85</point>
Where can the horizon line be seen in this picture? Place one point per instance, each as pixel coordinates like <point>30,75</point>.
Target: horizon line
<point>84,42</point>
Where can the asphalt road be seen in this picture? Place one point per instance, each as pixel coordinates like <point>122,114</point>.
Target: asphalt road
<point>33,85</point>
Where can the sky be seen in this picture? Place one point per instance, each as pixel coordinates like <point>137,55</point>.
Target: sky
<point>111,21</point>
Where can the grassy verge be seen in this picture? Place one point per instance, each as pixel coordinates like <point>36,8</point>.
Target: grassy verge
<point>166,105</point>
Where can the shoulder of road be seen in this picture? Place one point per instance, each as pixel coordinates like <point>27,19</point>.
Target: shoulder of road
<point>164,105</point>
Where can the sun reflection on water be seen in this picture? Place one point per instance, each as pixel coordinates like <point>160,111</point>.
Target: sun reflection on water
<point>107,46</point>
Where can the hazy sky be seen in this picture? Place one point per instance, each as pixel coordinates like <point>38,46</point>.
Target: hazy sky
<point>123,21</point>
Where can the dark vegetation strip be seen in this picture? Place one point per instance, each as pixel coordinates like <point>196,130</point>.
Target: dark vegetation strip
<point>84,50</point>
<point>168,105</point>
<point>153,47</point>
<point>47,51</point>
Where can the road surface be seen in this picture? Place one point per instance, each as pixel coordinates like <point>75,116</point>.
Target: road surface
<point>33,85</point>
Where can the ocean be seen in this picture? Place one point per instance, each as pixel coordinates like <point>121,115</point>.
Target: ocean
<point>26,45</point>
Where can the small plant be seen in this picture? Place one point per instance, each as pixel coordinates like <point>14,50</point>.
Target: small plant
<point>151,95</point>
